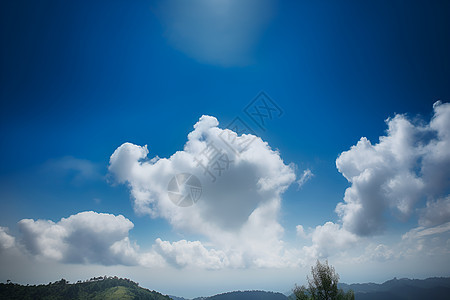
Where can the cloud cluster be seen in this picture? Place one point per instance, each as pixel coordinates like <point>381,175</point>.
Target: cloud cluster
<point>237,215</point>
<point>219,32</point>
<point>239,206</point>
<point>98,238</point>
<point>408,165</point>
<point>87,237</point>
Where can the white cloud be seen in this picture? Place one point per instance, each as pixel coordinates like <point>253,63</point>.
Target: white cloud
<point>377,252</point>
<point>237,213</point>
<point>416,244</point>
<point>87,237</point>
<point>301,231</point>
<point>421,232</point>
<point>6,241</point>
<point>219,32</point>
<point>329,239</point>
<point>409,164</point>
<point>184,253</point>
<point>306,176</point>
<point>421,241</point>
<point>436,212</point>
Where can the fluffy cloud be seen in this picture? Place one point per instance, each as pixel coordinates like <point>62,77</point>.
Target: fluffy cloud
<point>411,163</point>
<point>329,239</point>
<point>239,206</point>
<point>220,32</point>
<point>6,241</point>
<point>183,253</point>
<point>87,237</point>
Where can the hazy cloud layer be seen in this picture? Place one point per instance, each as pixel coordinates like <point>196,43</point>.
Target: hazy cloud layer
<point>408,165</point>
<point>436,212</point>
<point>419,242</point>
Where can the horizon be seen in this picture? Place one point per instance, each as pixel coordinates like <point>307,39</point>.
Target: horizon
<point>218,145</point>
<point>288,293</point>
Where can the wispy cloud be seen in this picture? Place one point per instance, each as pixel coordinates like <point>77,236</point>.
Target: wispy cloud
<point>306,176</point>
<point>75,170</point>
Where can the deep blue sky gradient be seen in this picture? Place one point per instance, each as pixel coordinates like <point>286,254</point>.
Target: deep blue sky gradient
<point>80,78</point>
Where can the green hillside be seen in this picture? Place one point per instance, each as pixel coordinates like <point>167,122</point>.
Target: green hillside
<point>96,288</point>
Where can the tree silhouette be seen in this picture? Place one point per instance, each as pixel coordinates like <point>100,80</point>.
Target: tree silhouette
<point>323,285</point>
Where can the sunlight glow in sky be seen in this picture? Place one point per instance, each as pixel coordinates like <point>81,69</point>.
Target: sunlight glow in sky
<point>312,130</point>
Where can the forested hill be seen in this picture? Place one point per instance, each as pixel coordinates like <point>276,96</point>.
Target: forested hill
<point>94,288</point>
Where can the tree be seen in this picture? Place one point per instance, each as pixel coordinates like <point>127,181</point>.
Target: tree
<point>323,285</point>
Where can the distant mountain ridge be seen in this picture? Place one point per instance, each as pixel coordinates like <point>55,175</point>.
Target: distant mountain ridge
<point>435,288</point>
<point>241,295</point>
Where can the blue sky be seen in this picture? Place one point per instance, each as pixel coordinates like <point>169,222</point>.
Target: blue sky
<point>80,79</point>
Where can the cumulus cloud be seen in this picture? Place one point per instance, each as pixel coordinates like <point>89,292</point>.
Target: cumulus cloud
<point>306,176</point>
<point>6,241</point>
<point>408,165</point>
<point>183,253</point>
<point>87,237</point>
<point>329,239</point>
<point>239,207</point>
<point>219,32</point>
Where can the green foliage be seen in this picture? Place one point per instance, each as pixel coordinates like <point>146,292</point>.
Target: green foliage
<point>301,293</point>
<point>95,288</point>
<point>323,285</point>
